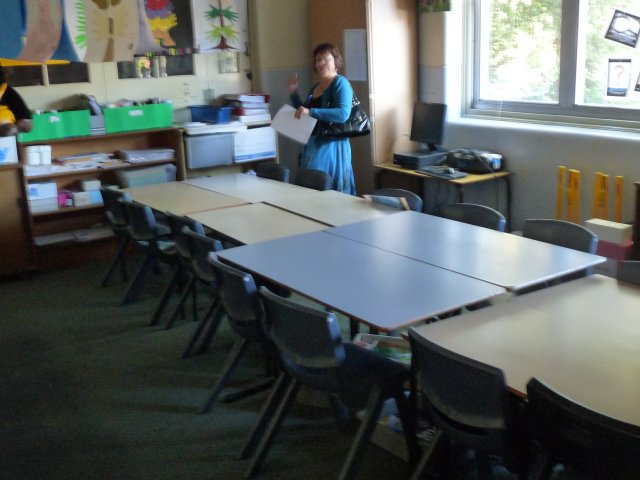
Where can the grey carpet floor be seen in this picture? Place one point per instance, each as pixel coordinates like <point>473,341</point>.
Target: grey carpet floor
<point>89,391</point>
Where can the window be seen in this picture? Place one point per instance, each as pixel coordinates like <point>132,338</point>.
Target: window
<point>558,60</point>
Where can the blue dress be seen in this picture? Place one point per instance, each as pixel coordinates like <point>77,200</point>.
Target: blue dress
<point>331,155</point>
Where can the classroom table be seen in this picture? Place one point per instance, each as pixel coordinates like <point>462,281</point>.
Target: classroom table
<point>180,198</point>
<point>255,222</point>
<point>581,337</point>
<point>332,208</point>
<point>370,285</point>
<point>251,188</point>
<point>510,261</point>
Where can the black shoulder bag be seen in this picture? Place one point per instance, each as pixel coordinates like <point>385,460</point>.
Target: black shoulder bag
<point>357,125</point>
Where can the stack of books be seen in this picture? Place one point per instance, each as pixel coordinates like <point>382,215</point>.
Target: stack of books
<point>250,107</point>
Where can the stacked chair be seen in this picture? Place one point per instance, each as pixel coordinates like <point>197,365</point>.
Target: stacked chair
<point>116,216</point>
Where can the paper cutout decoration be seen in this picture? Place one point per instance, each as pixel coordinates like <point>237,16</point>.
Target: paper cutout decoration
<point>76,24</point>
<point>220,25</point>
<point>66,50</point>
<point>170,24</point>
<point>12,24</point>
<point>624,28</point>
<point>112,30</point>
<point>146,42</point>
<point>44,27</point>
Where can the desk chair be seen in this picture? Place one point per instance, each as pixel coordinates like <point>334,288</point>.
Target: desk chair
<point>150,238</point>
<point>183,276</point>
<point>469,404</point>
<point>116,216</point>
<point>413,199</point>
<point>312,353</point>
<point>629,271</point>
<point>315,179</point>
<point>596,445</point>
<point>272,171</point>
<point>239,298</point>
<point>473,214</point>
<point>200,246</point>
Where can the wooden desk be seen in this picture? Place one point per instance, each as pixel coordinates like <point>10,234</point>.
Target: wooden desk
<point>510,261</point>
<point>458,183</point>
<point>255,222</point>
<point>332,208</point>
<point>180,198</point>
<point>379,288</point>
<point>581,337</point>
<point>247,187</point>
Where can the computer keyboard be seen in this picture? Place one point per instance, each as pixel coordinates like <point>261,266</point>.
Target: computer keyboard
<point>441,171</point>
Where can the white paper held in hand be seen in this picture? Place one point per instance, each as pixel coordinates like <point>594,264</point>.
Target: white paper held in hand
<point>297,129</point>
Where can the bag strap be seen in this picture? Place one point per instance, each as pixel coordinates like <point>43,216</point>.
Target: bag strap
<point>3,88</point>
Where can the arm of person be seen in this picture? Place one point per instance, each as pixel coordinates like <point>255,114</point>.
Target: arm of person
<point>21,112</point>
<point>342,96</point>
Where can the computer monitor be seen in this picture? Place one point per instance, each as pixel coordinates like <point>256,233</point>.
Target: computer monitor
<point>427,126</point>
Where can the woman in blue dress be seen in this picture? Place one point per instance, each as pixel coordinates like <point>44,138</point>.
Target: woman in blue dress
<point>329,101</point>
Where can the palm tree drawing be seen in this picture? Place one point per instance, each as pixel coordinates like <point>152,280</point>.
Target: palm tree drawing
<point>223,29</point>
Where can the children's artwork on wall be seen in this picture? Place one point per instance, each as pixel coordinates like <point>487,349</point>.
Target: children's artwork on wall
<point>12,24</point>
<point>624,28</point>
<point>111,30</point>
<point>76,24</point>
<point>430,6</point>
<point>619,77</point>
<point>171,24</point>
<point>228,62</point>
<point>220,25</point>
<point>146,42</point>
<point>44,26</point>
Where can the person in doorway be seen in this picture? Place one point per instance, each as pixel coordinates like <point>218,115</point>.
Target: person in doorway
<point>329,101</point>
<point>15,116</point>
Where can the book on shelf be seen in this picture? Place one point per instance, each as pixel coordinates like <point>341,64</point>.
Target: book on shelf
<point>87,157</point>
<point>248,97</point>
<point>237,103</point>
<point>260,118</point>
<point>249,111</point>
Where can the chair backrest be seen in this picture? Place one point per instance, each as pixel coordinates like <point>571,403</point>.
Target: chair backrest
<point>569,433</point>
<point>141,222</point>
<point>474,214</point>
<point>176,224</point>
<point>467,399</point>
<point>562,233</point>
<point>307,338</point>
<point>272,171</point>
<point>239,296</point>
<point>629,271</point>
<point>114,209</point>
<point>311,178</point>
<point>413,199</point>
<point>200,246</point>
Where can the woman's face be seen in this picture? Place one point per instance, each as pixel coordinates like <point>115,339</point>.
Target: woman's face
<point>325,64</point>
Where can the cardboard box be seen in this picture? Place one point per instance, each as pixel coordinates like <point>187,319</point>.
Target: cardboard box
<point>254,144</point>
<point>80,199</point>
<point>52,125</point>
<point>8,150</point>
<point>141,117</point>
<point>39,205</point>
<point>609,231</point>
<point>37,191</point>
<point>90,184</point>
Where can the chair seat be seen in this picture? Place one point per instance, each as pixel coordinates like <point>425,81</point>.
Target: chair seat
<point>361,370</point>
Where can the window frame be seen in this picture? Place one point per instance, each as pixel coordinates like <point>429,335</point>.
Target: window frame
<point>566,111</point>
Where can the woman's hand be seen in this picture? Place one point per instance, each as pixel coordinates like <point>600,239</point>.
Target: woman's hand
<point>293,83</point>
<point>301,111</point>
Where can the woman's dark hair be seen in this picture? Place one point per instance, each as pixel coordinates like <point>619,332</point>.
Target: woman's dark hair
<point>329,48</point>
<point>2,77</point>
